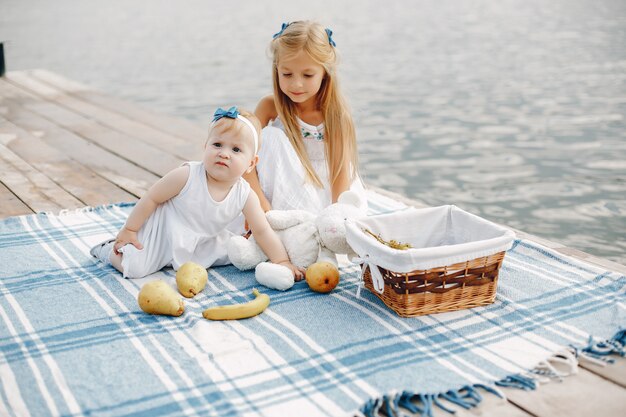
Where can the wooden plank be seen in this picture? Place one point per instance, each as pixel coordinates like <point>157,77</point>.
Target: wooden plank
<point>615,372</point>
<point>398,197</point>
<point>36,190</point>
<point>111,122</point>
<point>126,175</point>
<point>584,394</point>
<point>150,158</point>
<point>574,253</point>
<point>80,181</point>
<point>139,153</point>
<point>10,204</point>
<point>601,262</point>
<point>490,406</point>
<point>181,128</point>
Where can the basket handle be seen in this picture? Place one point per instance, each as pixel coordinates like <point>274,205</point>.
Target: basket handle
<point>377,277</point>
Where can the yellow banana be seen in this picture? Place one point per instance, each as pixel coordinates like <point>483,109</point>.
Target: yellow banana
<point>239,311</point>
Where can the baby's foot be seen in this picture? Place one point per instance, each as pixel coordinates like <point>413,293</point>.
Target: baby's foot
<point>102,251</point>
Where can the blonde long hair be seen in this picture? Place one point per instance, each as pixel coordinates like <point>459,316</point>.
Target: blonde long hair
<point>339,133</point>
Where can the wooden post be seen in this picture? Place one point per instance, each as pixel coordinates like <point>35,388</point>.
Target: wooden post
<point>2,68</point>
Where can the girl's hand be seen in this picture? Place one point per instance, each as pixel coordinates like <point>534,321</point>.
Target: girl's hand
<point>298,273</point>
<point>124,237</point>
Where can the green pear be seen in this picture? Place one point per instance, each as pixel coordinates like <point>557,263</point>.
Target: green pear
<point>191,278</point>
<point>157,297</point>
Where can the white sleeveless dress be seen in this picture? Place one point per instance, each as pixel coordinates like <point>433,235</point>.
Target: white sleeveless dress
<point>189,227</point>
<point>282,176</point>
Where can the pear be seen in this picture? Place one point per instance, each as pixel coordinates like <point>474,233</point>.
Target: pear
<point>191,279</point>
<point>322,277</point>
<point>157,297</point>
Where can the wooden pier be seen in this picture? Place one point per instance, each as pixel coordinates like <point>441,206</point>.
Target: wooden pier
<point>65,146</point>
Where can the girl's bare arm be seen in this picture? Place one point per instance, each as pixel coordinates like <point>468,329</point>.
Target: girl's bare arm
<point>342,182</point>
<point>265,111</point>
<point>253,179</point>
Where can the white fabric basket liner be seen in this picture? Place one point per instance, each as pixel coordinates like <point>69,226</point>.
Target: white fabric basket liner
<point>440,236</point>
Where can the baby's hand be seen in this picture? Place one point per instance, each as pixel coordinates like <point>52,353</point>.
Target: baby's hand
<point>125,237</point>
<point>298,273</point>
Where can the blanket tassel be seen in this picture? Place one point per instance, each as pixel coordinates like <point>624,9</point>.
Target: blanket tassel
<point>424,404</point>
<point>561,364</point>
<point>598,352</point>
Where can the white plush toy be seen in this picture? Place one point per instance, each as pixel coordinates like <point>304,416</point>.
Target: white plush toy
<point>307,238</point>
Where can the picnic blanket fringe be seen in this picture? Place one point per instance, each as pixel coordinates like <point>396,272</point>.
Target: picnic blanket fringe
<point>86,209</point>
<point>559,365</point>
<point>599,351</point>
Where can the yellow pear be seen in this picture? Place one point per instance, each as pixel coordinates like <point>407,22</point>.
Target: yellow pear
<point>322,277</point>
<point>191,279</point>
<point>157,297</point>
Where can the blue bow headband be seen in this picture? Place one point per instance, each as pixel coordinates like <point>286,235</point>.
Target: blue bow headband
<point>330,37</point>
<point>282,29</point>
<point>233,113</point>
<point>286,25</point>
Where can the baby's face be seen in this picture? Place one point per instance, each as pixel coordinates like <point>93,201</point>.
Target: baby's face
<point>229,153</point>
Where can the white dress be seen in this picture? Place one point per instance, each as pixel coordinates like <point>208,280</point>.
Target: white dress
<point>189,227</point>
<point>282,176</point>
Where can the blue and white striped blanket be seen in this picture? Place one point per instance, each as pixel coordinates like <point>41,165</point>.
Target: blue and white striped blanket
<point>74,342</point>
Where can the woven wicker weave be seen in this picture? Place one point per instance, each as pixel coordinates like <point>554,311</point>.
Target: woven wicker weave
<point>448,288</point>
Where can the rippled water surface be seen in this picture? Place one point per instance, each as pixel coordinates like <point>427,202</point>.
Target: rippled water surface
<point>513,110</point>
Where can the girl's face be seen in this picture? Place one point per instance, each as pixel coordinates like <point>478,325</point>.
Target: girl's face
<point>229,154</point>
<point>300,78</point>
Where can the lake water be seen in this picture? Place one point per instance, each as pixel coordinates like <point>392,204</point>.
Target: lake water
<point>514,110</point>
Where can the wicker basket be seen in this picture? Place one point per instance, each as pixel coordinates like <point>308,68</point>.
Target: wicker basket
<point>464,285</point>
<point>452,263</point>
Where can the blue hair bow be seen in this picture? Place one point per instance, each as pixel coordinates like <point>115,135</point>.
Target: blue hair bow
<point>330,37</point>
<point>231,113</point>
<point>282,29</point>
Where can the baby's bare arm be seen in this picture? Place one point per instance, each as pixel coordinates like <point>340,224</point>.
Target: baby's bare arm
<point>161,191</point>
<point>266,237</point>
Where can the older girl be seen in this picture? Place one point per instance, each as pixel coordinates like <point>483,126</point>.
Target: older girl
<point>309,152</point>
